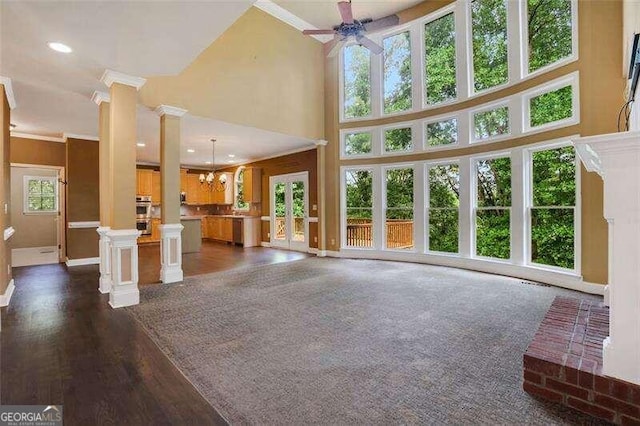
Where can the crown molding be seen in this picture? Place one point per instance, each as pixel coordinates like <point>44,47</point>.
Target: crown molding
<point>8,91</point>
<point>37,137</point>
<point>321,142</point>
<point>109,77</point>
<point>170,110</point>
<point>289,18</point>
<point>100,97</point>
<point>81,137</point>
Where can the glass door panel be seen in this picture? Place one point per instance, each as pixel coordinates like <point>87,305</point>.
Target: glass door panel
<point>298,213</point>
<point>289,211</point>
<point>280,209</point>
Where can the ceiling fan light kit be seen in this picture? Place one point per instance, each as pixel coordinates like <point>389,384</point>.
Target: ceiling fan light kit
<point>351,28</point>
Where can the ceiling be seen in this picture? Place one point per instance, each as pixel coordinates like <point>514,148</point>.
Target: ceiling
<point>146,38</point>
<point>324,14</point>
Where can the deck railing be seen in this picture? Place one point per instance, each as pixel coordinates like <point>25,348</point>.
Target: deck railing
<point>298,228</point>
<point>399,233</point>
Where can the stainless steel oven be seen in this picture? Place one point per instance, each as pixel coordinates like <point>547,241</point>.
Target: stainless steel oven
<point>144,226</point>
<point>143,207</point>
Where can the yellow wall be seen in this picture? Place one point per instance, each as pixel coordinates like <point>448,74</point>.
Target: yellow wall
<point>601,95</point>
<point>260,73</point>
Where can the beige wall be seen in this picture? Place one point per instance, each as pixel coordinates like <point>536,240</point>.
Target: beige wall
<point>40,230</point>
<point>261,73</point>
<point>5,190</point>
<point>35,151</point>
<point>630,26</point>
<point>601,95</point>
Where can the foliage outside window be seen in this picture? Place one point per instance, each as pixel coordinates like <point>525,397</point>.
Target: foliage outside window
<point>494,122</point>
<point>443,132</point>
<point>493,208</point>
<point>489,43</point>
<point>357,143</point>
<point>440,60</point>
<point>551,106</point>
<point>240,203</point>
<point>444,203</point>
<point>399,209</point>
<point>398,140</point>
<point>40,194</point>
<point>550,32</point>
<point>397,73</point>
<point>359,204</point>
<point>553,207</point>
<point>357,81</point>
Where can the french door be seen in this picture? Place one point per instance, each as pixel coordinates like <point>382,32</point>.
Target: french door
<point>290,211</point>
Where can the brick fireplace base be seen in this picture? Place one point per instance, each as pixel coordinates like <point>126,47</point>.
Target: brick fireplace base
<point>563,363</point>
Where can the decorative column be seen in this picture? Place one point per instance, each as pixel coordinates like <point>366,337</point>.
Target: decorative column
<point>102,100</point>
<point>171,228</point>
<point>321,154</point>
<point>123,234</point>
<point>616,158</point>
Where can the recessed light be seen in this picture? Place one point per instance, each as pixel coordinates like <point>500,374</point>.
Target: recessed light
<point>207,162</point>
<point>191,151</point>
<point>232,156</point>
<point>141,145</point>
<point>59,47</point>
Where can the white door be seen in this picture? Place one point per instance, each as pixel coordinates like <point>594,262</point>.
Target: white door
<point>290,211</point>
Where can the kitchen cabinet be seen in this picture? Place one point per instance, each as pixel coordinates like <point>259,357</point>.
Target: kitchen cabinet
<point>217,228</point>
<point>183,180</point>
<point>193,190</point>
<point>221,228</point>
<point>155,233</point>
<point>144,182</point>
<point>252,184</point>
<point>156,189</point>
<point>226,196</point>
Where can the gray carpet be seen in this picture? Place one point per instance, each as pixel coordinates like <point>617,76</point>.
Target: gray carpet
<point>334,341</point>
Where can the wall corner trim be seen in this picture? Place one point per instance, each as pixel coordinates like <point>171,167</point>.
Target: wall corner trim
<point>100,97</point>
<point>6,297</point>
<point>8,232</point>
<point>109,77</point>
<point>321,142</point>
<point>80,262</point>
<point>170,110</point>
<point>8,91</point>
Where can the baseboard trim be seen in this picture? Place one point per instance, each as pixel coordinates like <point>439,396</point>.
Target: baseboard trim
<point>34,256</point>
<point>263,244</point>
<point>8,232</point>
<point>312,250</point>
<point>330,253</point>
<point>6,297</point>
<point>85,261</point>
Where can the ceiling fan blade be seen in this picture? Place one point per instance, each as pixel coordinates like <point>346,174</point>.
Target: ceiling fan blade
<point>318,32</point>
<point>345,11</point>
<point>334,46</point>
<point>378,24</point>
<point>369,44</point>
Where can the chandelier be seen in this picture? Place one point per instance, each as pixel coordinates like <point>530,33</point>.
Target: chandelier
<point>216,182</point>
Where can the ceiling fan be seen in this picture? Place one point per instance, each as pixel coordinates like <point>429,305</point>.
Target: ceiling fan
<point>353,28</point>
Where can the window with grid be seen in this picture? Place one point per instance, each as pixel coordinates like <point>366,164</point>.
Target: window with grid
<point>549,31</point>
<point>440,60</point>
<point>397,73</point>
<point>444,204</point>
<point>359,208</point>
<point>357,81</point>
<point>40,194</point>
<point>493,208</point>
<point>489,43</point>
<point>399,209</point>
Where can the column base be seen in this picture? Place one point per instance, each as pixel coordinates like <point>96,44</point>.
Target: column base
<point>619,362</point>
<point>104,284</point>
<point>171,253</point>
<point>124,268</point>
<point>607,295</point>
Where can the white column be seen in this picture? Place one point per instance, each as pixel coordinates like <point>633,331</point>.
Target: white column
<point>616,158</point>
<point>171,253</point>
<point>124,268</point>
<point>104,285</point>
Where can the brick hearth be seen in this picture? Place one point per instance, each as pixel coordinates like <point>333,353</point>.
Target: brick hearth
<point>563,363</point>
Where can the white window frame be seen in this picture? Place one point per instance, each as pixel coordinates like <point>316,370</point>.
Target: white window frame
<point>577,209</point>
<point>474,206</point>
<point>25,196</point>
<point>379,38</point>
<point>374,210</point>
<point>486,108</point>
<point>425,133</point>
<point>396,126</point>
<point>341,81</point>
<point>427,205</point>
<point>524,53</point>
<point>383,206</point>
<point>236,176</point>
<point>551,86</point>
<point>373,131</point>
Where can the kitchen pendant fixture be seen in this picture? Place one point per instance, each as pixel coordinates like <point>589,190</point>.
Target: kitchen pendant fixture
<point>216,182</point>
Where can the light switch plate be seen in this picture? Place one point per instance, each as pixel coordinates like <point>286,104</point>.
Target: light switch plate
<point>315,207</point>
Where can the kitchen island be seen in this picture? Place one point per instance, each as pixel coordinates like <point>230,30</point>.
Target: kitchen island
<point>191,234</point>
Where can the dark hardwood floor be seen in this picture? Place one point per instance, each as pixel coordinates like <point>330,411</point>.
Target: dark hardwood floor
<point>63,344</point>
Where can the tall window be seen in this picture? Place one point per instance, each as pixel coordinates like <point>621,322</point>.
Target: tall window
<point>40,194</point>
<point>397,73</point>
<point>398,140</point>
<point>440,60</point>
<point>551,106</point>
<point>359,205</point>
<point>444,203</point>
<point>240,203</point>
<point>399,209</point>
<point>357,81</point>
<point>489,38</point>
<point>552,207</point>
<point>493,208</point>
<point>549,30</point>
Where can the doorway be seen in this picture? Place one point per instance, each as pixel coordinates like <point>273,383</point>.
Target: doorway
<point>290,211</point>
<point>37,200</point>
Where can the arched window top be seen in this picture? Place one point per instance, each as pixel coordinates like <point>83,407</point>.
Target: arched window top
<point>239,201</point>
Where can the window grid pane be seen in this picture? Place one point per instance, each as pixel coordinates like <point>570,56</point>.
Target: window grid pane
<point>398,140</point>
<point>552,106</point>
<point>357,81</point>
<point>440,60</point>
<point>550,40</point>
<point>553,236</point>
<point>357,143</point>
<point>488,124</point>
<point>399,209</point>
<point>359,202</point>
<point>397,73</point>
<point>493,232</point>
<point>443,132</point>
<point>489,38</point>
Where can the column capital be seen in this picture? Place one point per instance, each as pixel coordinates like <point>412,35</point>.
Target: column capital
<point>321,142</point>
<point>100,97</point>
<point>170,110</point>
<point>8,91</point>
<point>109,77</point>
